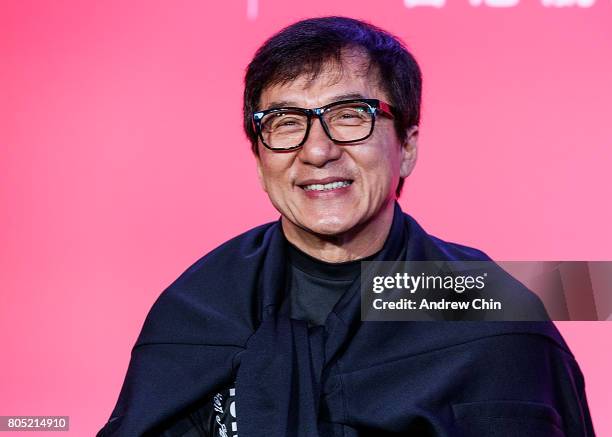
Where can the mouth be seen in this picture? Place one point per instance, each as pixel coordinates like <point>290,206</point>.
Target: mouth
<point>325,184</point>
<point>327,187</point>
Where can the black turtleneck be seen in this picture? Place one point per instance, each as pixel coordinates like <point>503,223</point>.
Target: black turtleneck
<point>314,286</point>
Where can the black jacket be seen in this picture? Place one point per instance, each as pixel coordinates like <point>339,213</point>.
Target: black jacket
<point>219,323</point>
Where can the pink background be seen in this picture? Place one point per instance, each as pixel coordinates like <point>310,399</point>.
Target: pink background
<point>122,161</point>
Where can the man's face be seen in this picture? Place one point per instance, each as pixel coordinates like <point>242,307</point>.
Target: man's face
<point>373,166</point>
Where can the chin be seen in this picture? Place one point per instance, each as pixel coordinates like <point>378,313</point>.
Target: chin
<point>329,226</point>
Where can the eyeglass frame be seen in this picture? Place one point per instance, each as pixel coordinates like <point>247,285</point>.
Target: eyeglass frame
<point>374,107</point>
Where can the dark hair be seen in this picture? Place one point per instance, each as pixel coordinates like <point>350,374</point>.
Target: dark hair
<point>307,46</point>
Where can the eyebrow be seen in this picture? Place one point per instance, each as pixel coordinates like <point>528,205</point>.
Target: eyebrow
<point>290,103</point>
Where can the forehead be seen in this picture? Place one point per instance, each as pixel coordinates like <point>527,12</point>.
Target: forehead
<point>350,78</point>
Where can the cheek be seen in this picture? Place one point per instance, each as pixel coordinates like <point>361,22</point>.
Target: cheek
<point>276,173</point>
<point>381,165</point>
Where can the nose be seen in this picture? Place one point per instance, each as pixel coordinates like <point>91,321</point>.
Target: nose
<point>319,149</point>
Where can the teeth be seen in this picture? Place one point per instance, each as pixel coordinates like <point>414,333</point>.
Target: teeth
<point>330,186</point>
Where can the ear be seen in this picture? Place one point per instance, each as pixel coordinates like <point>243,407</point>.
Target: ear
<point>260,176</point>
<point>409,151</point>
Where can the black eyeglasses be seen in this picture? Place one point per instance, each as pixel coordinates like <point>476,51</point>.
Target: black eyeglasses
<point>345,121</point>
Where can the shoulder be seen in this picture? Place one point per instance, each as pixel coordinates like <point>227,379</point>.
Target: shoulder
<point>212,300</point>
<point>518,302</point>
<point>230,254</point>
<point>431,247</point>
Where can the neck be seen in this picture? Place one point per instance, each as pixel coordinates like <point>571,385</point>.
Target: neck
<point>361,241</point>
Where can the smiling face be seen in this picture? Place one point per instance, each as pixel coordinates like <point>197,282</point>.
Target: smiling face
<point>332,190</point>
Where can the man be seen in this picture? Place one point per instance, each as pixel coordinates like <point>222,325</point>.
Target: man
<point>263,337</point>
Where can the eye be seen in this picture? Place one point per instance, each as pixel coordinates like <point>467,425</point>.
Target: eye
<point>286,123</point>
<point>347,114</point>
